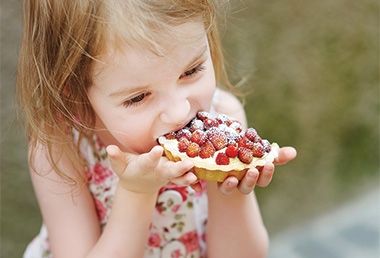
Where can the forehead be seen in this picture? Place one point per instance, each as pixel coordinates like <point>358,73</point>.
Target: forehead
<point>175,49</point>
<point>186,36</point>
<point>159,43</point>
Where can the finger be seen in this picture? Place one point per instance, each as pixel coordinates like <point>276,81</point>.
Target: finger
<point>266,175</point>
<point>228,185</point>
<point>186,179</point>
<point>285,154</point>
<point>249,181</point>
<point>176,169</point>
<point>197,187</point>
<point>117,159</point>
<point>149,161</point>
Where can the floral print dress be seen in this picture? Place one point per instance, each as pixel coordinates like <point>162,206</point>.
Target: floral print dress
<point>178,223</point>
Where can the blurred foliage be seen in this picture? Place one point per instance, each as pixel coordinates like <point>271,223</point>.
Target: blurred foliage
<point>313,67</point>
<point>314,70</point>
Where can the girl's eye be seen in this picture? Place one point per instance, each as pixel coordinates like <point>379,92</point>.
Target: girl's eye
<point>192,71</point>
<point>136,100</point>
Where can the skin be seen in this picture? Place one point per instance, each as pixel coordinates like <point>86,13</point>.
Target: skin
<point>137,97</point>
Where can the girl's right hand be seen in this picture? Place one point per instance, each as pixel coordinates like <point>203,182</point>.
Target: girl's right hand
<point>148,172</point>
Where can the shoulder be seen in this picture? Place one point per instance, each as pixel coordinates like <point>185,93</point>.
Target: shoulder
<point>53,162</point>
<point>227,103</point>
<point>66,204</point>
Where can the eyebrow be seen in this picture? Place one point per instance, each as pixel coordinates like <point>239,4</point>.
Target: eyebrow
<point>198,56</point>
<point>124,92</point>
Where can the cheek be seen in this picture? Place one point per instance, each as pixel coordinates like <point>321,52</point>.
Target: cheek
<point>133,134</point>
<point>206,90</point>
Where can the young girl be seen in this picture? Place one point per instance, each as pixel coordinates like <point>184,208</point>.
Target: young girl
<point>99,82</point>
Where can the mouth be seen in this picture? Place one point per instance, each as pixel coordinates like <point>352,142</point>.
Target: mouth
<point>187,124</point>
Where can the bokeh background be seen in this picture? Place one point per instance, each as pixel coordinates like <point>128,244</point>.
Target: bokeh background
<point>313,69</point>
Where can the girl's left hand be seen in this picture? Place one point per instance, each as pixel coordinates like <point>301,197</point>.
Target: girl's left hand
<point>261,176</point>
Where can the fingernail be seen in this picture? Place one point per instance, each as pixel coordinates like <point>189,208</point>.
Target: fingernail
<point>252,175</point>
<point>230,184</point>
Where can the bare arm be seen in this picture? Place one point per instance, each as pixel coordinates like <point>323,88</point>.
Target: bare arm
<point>234,227</point>
<point>70,216</point>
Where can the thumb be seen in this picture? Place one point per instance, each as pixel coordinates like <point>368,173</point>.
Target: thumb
<point>150,160</point>
<point>117,159</point>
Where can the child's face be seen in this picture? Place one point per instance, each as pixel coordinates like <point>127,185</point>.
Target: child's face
<point>138,96</point>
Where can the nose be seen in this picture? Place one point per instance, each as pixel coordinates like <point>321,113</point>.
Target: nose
<point>175,111</point>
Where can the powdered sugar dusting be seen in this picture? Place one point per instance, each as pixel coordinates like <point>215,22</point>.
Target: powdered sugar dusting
<point>219,132</point>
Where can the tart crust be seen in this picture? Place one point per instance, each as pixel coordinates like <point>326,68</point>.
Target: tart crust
<point>207,169</point>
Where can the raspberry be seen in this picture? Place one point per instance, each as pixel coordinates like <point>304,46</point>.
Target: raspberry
<point>251,134</point>
<point>192,150</point>
<point>207,150</point>
<point>243,141</point>
<point>170,136</point>
<point>266,145</point>
<point>222,159</point>
<point>218,139</point>
<point>258,150</point>
<point>232,150</point>
<point>209,122</point>
<point>183,133</point>
<point>196,124</point>
<point>245,155</point>
<point>183,144</point>
<point>198,137</point>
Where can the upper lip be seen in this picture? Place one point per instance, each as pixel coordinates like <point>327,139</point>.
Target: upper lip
<point>182,126</point>
<point>177,129</point>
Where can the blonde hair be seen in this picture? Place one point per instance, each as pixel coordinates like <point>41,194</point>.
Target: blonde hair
<point>62,39</point>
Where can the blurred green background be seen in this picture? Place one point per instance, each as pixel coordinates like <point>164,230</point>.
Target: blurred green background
<point>313,67</point>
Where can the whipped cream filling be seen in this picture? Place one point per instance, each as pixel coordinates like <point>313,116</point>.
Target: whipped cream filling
<point>209,163</point>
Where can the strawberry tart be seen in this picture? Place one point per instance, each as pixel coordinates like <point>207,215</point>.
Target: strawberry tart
<point>218,146</point>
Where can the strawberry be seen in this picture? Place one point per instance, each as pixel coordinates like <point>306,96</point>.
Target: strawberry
<point>258,150</point>
<point>192,150</point>
<point>232,121</point>
<point>211,131</point>
<point>218,139</point>
<point>243,141</point>
<point>230,133</point>
<point>183,144</point>
<point>170,136</point>
<point>266,145</point>
<point>183,133</point>
<point>245,155</point>
<point>222,159</point>
<point>203,115</point>
<point>236,126</point>
<point>222,119</point>
<point>196,124</point>
<point>207,150</point>
<point>251,134</point>
<point>198,137</point>
<point>232,150</point>
<point>209,122</point>
<point>259,140</point>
